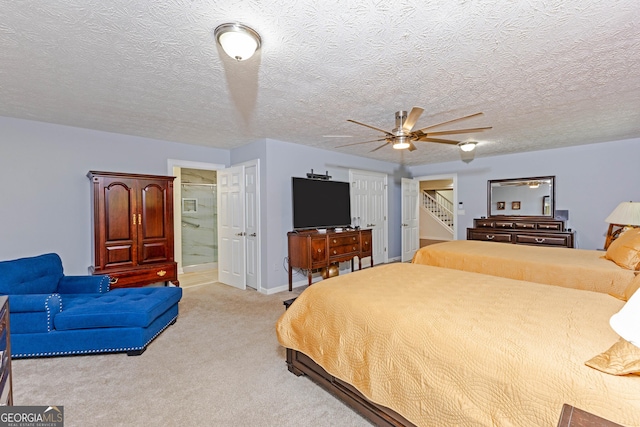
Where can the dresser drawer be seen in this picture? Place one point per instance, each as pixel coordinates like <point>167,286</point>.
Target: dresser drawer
<point>350,238</point>
<point>550,226</point>
<point>525,225</point>
<point>143,276</point>
<point>544,240</point>
<point>489,236</point>
<point>504,224</point>
<point>484,223</point>
<point>349,249</point>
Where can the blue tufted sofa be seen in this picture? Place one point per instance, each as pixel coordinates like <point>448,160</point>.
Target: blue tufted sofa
<point>51,314</point>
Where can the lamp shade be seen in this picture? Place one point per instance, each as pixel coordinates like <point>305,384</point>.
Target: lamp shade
<point>627,213</point>
<point>237,40</point>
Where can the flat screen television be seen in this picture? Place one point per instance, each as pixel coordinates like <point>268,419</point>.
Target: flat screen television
<point>320,203</point>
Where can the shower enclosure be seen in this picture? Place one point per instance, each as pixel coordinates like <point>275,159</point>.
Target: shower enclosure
<point>199,220</point>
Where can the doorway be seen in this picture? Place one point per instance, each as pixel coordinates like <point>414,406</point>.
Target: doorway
<point>199,221</point>
<point>412,199</point>
<point>436,214</point>
<point>197,263</point>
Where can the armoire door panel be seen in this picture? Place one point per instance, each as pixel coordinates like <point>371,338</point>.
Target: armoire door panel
<point>153,210</point>
<point>119,221</point>
<point>119,255</point>
<point>154,251</point>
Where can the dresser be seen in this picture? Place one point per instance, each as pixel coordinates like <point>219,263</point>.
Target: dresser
<point>311,250</point>
<point>522,231</point>
<point>6,389</point>
<point>133,228</point>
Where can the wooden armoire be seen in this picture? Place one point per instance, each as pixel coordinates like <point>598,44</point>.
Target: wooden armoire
<point>133,228</point>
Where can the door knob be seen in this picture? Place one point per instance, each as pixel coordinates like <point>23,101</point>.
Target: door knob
<point>252,234</point>
<point>242,233</point>
<point>405,225</point>
<point>371,225</point>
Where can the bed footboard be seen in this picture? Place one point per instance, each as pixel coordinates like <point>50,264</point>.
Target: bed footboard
<point>300,364</point>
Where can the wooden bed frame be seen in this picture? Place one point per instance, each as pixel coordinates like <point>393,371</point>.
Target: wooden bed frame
<point>301,364</point>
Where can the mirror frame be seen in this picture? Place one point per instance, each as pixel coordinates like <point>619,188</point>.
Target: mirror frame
<point>552,189</point>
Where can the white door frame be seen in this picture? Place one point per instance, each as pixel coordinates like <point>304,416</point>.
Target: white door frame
<point>173,169</point>
<point>454,178</point>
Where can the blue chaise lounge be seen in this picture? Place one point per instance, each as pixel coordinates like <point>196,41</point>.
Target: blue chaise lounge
<point>51,314</point>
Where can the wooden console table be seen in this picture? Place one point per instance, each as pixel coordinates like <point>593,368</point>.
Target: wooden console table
<point>311,250</point>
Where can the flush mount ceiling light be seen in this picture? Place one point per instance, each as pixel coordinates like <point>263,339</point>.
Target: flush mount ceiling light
<point>467,145</point>
<point>237,40</point>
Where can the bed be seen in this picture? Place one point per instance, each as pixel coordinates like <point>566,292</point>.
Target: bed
<point>571,268</point>
<point>422,345</point>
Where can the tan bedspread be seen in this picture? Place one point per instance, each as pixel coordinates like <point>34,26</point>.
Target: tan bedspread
<point>571,268</point>
<point>452,348</point>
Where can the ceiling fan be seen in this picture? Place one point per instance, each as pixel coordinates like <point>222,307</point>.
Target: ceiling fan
<point>404,137</point>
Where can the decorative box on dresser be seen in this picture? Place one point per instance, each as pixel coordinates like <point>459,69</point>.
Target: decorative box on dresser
<point>133,228</point>
<point>311,249</point>
<point>522,231</point>
<point>6,388</point>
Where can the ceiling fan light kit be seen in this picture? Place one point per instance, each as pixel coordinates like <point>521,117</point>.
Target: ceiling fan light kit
<point>403,137</point>
<point>467,145</point>
<point>238,41</point>
<point>401,143</point>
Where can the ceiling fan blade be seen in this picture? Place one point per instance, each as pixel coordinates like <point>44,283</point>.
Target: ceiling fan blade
<point>370,127</point>
<point>383,145</point>
<point>453,132</point>
<point>452,121</point>
<point>363,142</point>
<point>441,141</point>
<point>412,147</point>
<point>412,118</point>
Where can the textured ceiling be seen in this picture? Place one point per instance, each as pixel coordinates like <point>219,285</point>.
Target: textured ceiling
<point>545,73</point>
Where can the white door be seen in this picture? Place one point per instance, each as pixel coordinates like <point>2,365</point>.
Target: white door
<point>251,224</point>
<point>369,210</point>
<point>410,190</point>
<point>231,227</point>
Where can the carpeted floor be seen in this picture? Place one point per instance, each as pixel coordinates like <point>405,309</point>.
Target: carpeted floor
<point>219,365</point>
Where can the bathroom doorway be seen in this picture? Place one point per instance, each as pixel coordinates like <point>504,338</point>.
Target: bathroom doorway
<point>199,223</point>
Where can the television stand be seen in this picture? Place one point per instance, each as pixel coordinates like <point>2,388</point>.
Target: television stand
<point>310,249</point>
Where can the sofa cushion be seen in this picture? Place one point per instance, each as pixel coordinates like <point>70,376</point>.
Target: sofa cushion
<point>125,307</point>
<point>34,275</point>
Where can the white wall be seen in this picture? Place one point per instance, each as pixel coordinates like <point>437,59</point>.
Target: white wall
<point>45,203</point>
<point>591,180</point>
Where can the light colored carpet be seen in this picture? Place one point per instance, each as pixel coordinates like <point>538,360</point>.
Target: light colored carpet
<point>219,365</point>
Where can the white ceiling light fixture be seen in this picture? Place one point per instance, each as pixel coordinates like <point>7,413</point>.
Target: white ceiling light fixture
<point>401,143</point>
<point>467,145</point>
<point>237,40</point>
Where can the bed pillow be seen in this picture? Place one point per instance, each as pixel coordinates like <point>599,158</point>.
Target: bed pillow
<point>624,356</point>
<point>625,250</point>
<point>632,287</point>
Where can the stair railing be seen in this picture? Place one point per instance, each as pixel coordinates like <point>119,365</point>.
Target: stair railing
<point>440,212</point>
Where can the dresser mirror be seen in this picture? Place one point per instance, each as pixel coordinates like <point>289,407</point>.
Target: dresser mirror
<point>530,197</point>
